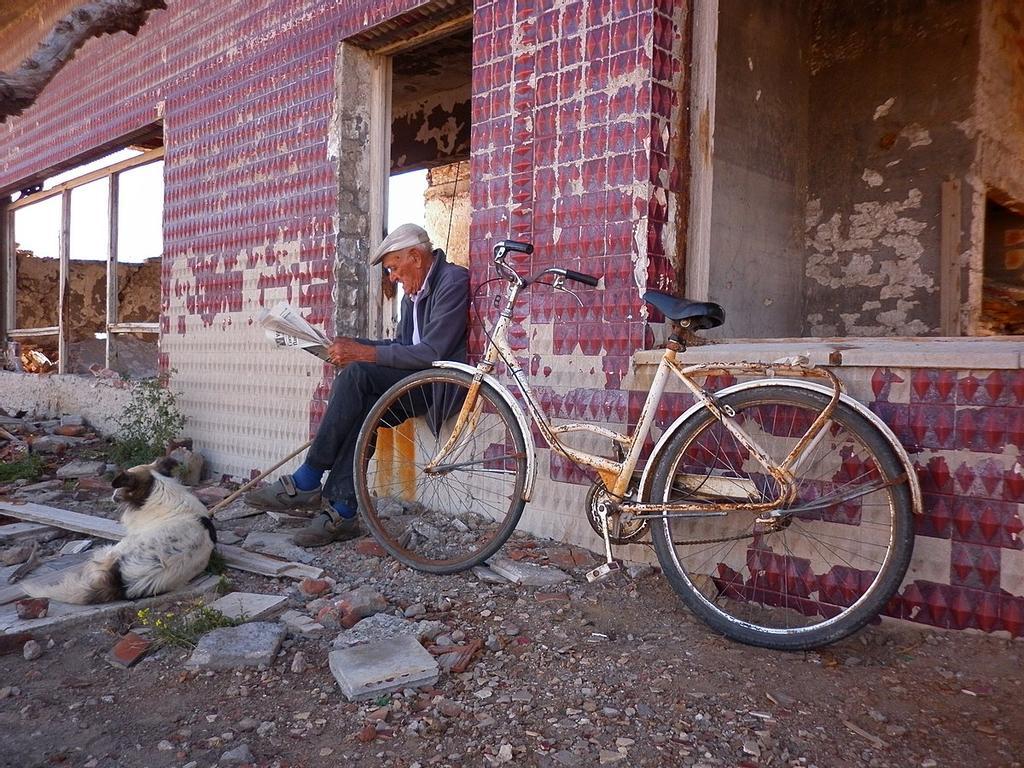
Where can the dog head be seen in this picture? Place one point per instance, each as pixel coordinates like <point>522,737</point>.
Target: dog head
<point>133,486</point>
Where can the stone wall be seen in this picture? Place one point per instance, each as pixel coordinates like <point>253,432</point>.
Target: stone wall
<point>37,289</point>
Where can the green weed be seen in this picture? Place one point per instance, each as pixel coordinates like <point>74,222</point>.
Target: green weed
<point>28,467</point>
<point>149,422</point>
<point>183,630</point>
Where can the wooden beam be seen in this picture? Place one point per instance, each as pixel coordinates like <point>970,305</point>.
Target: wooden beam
<point>702,148</point>
<point>20,89</point>
<point>950,299</point>
<point>134,328</point>
<point>150,156</point>
<point>378,316</point>
<point>110,345</point>
<point>64,614</point>
<point>63,283</point>
<point>8,273</point>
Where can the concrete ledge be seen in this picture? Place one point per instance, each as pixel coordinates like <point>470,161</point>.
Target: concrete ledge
<point>988,353</point>
<point>100,401</point>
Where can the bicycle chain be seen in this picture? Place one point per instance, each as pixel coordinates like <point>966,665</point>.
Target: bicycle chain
<point>698,542</point>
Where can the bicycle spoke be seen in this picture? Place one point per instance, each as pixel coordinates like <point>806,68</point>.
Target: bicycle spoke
<point>791,574</point>
<point>457,513</point>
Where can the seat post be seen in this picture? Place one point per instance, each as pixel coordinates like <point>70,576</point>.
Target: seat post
<point>675,342</point>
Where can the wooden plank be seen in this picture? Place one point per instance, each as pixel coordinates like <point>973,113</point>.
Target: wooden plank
<point>134,328</point>
<point>20,531</point>
<point>63,615</point>
<point>949,258</point>
<point>49,330</point>
<point>64,518</point>
<point>63,289</point>
<point>235,557</point>
<point>380,174</point>
<point>110,345</point>
<point>702,148</point>
<point>8,273</point>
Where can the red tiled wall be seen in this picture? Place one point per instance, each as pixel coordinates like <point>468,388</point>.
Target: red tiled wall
<point>964,430</point>
<point>565,97</point>
<point>245,91</point>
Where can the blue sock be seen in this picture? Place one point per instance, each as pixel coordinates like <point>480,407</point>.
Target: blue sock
<point>344,508</point>
<point>307,478</point>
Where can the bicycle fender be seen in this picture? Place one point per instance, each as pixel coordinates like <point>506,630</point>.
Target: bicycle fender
<point>915,487</point>
<point>510,400</point>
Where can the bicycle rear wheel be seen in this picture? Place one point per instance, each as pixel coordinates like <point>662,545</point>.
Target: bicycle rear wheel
<point>824,568</point>
<point>432,512</point>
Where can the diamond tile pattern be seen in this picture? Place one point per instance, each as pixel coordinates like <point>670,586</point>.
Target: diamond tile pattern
<point>576,115</point>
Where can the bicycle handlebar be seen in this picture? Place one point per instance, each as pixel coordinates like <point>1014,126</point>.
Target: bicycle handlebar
<point>504,246</point>
<point>580,277</point>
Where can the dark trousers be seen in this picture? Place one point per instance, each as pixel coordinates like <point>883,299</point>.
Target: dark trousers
<point>353,393</point>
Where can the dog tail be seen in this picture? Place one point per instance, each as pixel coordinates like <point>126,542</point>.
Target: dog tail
<point>98,582</point>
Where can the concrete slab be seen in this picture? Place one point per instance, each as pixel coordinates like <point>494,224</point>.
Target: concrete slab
<point>371,669</point>
<point>277,545</point>
<point>250,606</point>
<point>528,574</point>
<point>75,547</point>
<point>248,645</point>
<point>384,626</point>
<point>487,576</point>
<point>80,468</point>
<point>302,624</point>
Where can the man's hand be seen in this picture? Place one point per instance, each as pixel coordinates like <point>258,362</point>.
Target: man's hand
<point>345,350</point>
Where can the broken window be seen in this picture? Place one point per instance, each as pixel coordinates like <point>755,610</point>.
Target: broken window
<point>83,268</point>
<point>1002,310</point>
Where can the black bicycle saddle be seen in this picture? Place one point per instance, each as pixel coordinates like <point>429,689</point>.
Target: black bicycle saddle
<point>701,314</point>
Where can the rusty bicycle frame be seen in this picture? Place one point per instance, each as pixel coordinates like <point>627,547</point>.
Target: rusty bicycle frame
<point>618,475</point>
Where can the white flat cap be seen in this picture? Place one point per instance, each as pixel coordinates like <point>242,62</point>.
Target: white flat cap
<point>405,236</point>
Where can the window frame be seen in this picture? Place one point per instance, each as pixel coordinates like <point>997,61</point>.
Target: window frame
<point>64,189</point>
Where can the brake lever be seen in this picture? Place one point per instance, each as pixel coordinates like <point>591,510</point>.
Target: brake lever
<point>559,285</point>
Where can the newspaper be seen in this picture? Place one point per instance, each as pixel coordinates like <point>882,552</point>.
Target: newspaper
<point>287,328</point>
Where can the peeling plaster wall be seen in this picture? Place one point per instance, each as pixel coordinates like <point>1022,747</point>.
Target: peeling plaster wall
<point>430,130</point>
<point>999,120</point>
<point>760,173</point>
<point>891,97</point>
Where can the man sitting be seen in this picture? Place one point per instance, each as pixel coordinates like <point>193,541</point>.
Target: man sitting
<point>433,321</point>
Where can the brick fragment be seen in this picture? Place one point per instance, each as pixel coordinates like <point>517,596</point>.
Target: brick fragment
<point>552,597</point>
<point>13,643</point>
<point>130,649</point>
<point>369,548</point>
<point>314,587</point>
<point>32,608</point>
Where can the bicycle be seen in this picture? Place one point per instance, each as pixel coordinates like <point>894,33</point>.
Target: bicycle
<point>780,509</point>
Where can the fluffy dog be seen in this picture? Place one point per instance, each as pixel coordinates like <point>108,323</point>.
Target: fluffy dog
<point>168,542</point>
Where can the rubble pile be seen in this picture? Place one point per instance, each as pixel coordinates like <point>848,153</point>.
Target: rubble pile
<point>519,661</point>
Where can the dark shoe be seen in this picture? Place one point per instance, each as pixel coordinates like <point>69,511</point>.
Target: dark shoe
<point>282,495</point>
<point>327,527</point>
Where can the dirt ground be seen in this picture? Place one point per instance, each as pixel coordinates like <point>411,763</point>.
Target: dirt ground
<point>572,675</point>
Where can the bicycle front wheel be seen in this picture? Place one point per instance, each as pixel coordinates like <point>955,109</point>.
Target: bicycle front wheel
<point>832,557</point>
<point>438,504</point>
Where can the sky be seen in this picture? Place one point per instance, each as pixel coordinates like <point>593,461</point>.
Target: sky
<point>140,236</point>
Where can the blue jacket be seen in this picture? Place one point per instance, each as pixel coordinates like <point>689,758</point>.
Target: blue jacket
<point>443,311</point>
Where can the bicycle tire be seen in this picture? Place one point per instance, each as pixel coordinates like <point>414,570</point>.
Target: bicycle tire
<point>829,569</point>
<point>449,521</point>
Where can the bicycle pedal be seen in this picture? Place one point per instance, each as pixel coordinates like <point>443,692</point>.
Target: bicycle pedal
<point>603,571</point>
